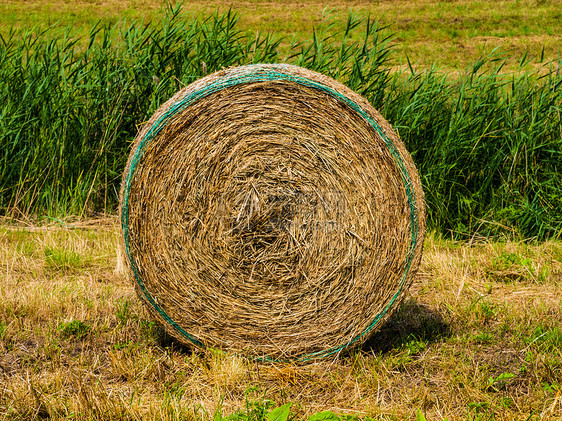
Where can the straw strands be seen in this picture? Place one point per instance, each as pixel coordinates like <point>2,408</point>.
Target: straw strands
<point>269,210</point>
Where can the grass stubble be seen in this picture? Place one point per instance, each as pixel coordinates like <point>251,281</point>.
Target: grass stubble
<point>479,337</point>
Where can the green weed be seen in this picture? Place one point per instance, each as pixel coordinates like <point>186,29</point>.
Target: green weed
<point>480,411</point>
<point>483,338</point>
<point>498,382</point>
<point>548,338</point>
<point>123,311</point>
<point>62,259</point>
<point>263,411</point>
<point>326,416</point>
<point>75,328</point>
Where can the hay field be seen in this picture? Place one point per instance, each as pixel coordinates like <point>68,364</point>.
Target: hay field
<point>452,34</point>
<point>479,337</point>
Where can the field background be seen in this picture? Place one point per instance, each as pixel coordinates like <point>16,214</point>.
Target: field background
<point>479,336</point>
<point>74,89</point>
<point>452,34</point>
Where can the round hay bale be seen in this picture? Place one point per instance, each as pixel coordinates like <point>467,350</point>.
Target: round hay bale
<point>271,211</point>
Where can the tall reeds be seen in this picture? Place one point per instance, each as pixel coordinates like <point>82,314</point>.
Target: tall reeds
<point>488,147</point>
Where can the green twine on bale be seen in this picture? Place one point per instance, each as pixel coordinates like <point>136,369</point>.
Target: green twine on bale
<point>248,75</point>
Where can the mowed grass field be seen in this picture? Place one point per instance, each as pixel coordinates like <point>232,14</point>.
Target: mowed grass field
<point>479,337</point>
<point>451,34</point>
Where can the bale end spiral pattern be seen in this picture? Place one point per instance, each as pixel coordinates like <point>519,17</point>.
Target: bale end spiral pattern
<point>271,211</point>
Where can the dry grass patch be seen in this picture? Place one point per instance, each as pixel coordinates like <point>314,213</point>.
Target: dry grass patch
<point>479,337</point>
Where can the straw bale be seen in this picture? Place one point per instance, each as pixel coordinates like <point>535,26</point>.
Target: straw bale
<point>271,211</point>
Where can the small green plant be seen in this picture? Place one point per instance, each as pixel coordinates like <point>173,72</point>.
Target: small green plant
<point>420,416</point>
<point>486,310</point>
<point>406,354</point>
<point>480,411</point>
<point>279,414</point>
<point>513,267</point>
<point>122,345</point>
<point>552,387</point>
<point>148,328</point>
<point>415,346</point>
<point>506,402</point>
<point>123,310</point>
<point>324,416</point>
<point>256,411</point>
<point>499,382</point>
<point>62,259</point>
<point>75,328</point>
<point>52,349</point>
<point>256,408</point>
<point>483,337</point>
<point>547,338</point>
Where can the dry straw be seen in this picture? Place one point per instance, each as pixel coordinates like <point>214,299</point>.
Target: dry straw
<point>271,211</point>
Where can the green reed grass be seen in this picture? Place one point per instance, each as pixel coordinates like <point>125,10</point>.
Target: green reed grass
<point>488,144</point>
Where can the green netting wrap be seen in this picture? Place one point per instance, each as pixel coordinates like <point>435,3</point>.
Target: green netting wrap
<point>271,211</point>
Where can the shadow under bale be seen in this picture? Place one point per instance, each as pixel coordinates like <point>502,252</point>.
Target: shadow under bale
<point>412,320</point>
